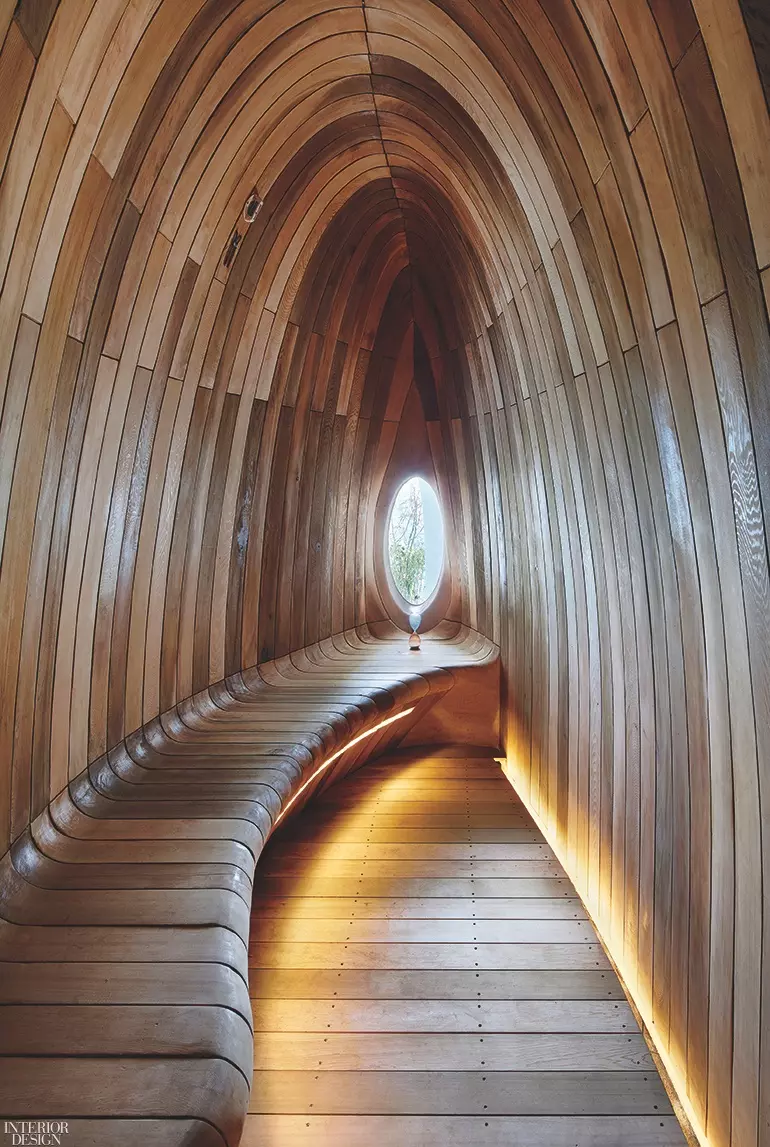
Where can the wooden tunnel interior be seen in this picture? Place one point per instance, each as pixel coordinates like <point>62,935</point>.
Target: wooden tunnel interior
<point>519,247</point>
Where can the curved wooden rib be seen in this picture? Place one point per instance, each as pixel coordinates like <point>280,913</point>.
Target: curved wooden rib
<point>125,929</point>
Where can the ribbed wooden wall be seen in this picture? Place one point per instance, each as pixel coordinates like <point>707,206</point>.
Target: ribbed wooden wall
<point>550,217</point>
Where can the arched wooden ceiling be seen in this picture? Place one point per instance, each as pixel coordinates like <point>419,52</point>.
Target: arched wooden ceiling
<point>551,215</point>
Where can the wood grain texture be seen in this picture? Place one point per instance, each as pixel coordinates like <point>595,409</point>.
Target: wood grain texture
<point>520,248</point>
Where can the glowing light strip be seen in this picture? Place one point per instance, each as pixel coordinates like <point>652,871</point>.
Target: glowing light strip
<point>643,1006</point>
<point>330,760</point>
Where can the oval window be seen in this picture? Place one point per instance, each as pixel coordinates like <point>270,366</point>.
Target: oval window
<point>416,541</point>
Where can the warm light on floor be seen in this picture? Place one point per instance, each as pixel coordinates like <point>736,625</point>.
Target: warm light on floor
<point>335,756</point>
<point>626,974</point>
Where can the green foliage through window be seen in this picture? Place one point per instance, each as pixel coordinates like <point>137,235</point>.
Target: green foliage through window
<point>406,544</point>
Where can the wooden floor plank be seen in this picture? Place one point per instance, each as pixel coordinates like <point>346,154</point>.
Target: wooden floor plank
<point>359,834</point>
<point>536,1051</point>
<point>499,1016</point>
<point>418,821</point>
<point>410,818</point>
<point>532,907</point>
<point>330,867</point>
<point>525,849</point>
<point>504,957</point>
<point>457,1131</point>
<point>465,888</point>
<point>431,930</point>
<point>459,1093</point>
<point>442,983</point>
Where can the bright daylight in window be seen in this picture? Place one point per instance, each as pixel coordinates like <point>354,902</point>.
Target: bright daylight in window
<point>416,541</point>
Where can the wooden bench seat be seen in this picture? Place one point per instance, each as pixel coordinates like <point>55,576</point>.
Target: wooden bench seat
<point>124,935</point>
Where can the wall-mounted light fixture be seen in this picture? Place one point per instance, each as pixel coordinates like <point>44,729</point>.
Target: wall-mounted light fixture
<point>251,210</point>
<point>252,206</point>
<point>233,244</point>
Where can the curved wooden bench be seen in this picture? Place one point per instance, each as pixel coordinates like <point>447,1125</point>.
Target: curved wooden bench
<point>125,905</point>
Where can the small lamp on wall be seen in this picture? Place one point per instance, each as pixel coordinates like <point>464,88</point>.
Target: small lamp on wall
<point>251,210</point>
<point>252,206</point>
<point>415,617</point>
